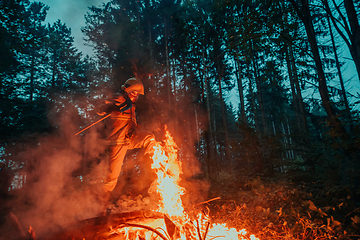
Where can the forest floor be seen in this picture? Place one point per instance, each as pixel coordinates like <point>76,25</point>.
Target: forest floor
<point>276,209</point>
<point>281,207</point>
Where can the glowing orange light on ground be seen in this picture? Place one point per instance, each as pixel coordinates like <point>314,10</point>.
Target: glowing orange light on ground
<point>168,170</point>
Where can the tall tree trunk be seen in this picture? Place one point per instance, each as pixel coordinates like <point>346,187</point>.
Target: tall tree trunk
<point>168,79</point>
<point>293,92</point>
<point>150,41</point>
<point>224,114</point>
<point>241,90</point>
<point>53,77</point>
<point>259,90</point>
<point>252,95</point>
<point>343,91</point>
<point>304,14</point>
<point>151,81</point>
<point>32,76</point>
<point>355,30</point>
<point>298,91</point>
<point>175,114</point>
<point>209,133</point>
<point>352,39</point>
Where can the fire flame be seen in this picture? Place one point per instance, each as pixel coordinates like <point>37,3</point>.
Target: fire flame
<point>168,170</point>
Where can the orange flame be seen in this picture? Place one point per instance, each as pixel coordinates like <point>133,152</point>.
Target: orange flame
<point>168,170</point>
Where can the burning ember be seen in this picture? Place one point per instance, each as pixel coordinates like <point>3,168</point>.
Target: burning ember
<point>169,221</point>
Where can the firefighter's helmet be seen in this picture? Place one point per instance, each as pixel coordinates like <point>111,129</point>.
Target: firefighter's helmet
<point>133,84</point>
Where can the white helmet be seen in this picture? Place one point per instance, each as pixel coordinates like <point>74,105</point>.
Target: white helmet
<point>133,84</point>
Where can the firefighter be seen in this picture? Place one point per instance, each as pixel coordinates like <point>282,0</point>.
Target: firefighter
<point>122,134</point>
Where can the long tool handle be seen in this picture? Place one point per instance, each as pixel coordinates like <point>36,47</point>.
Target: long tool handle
<point>93,124</point>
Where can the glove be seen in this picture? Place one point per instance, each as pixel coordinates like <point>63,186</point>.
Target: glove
<point>107,108</point>
<point>121,108</point>
<point>112,107</point>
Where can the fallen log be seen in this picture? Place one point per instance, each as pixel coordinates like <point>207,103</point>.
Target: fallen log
<point>95,228</point>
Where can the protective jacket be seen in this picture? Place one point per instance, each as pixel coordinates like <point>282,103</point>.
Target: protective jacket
<point>122,122</point>
<point>121,126</point>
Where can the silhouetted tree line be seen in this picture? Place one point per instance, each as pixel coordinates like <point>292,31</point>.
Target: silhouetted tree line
<point>281,57</point>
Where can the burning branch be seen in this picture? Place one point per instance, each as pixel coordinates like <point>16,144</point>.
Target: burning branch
<point>213,199</point>
<point>145,227</point>
<point>170,213</point>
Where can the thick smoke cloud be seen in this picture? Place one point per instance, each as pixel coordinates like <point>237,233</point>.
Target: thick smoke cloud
<point>183,120</point>
<point>52,197</point>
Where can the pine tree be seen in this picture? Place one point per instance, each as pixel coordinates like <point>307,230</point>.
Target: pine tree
<point>63,58</point>
<point>304,13</point>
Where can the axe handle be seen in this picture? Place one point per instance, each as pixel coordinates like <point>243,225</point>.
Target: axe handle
<point>93,124</point>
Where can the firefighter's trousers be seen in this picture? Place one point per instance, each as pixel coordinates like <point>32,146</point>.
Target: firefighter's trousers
<point>117,154</point>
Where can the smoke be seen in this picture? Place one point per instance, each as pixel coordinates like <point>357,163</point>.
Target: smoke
<point>61,188</point>
<point>182,119</point>
<point>53,197</point>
